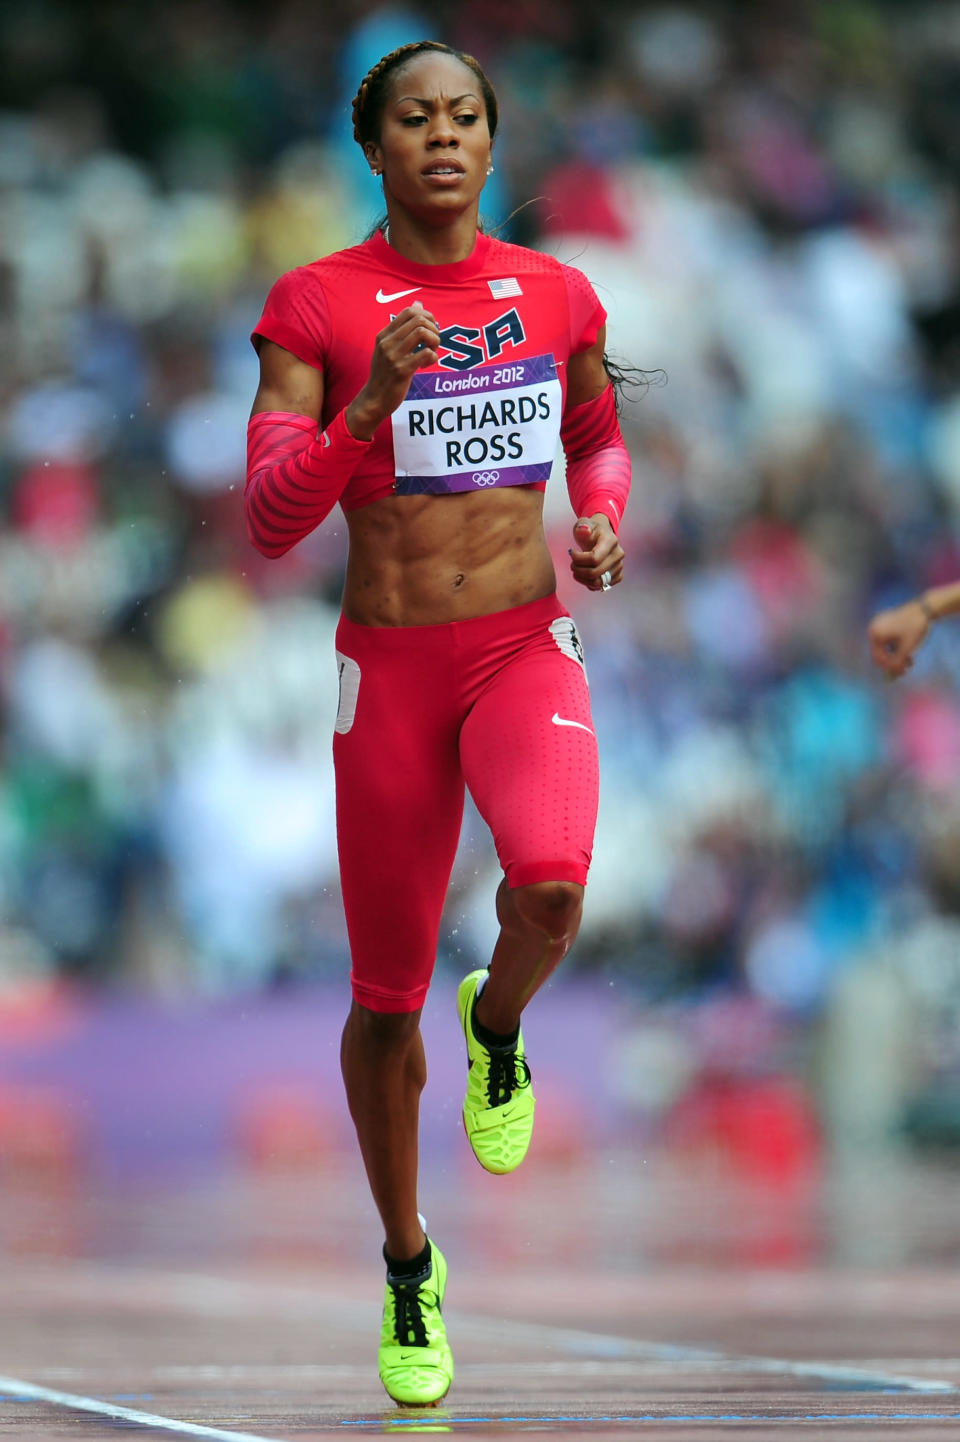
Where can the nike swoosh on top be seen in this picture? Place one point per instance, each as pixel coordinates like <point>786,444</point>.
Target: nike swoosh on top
<point>562,721</point>
<point>385,299</point>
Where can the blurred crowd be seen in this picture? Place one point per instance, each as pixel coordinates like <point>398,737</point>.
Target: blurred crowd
<point>766,199</point>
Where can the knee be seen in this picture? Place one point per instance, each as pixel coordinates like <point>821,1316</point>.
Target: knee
<point>384,1031</point>
<point>553,907</point>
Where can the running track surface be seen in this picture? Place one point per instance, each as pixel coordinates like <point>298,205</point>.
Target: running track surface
<point>589,1296</point>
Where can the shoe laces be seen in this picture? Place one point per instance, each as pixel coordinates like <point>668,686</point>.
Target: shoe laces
<point>508,1073</point>
<point>410,1327</point>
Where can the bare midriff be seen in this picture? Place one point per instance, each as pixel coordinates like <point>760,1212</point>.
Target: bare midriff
<point>424,560</point>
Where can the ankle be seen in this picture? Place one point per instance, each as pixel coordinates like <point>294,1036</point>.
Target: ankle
<point>409,1266</point>
<point>490,1036</point>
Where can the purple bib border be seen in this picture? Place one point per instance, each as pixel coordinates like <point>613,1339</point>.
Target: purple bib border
<point>481,479</point>
<point>452,384</point>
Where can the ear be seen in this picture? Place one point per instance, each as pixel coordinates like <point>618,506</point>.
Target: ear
<point>374,158</point>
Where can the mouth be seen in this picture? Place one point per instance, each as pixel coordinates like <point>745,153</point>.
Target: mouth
<point>443,170</point>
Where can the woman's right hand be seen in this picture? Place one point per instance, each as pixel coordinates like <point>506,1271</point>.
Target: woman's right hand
<point>411,342</point>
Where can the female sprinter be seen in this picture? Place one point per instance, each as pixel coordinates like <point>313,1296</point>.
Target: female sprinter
<point>422,380</point>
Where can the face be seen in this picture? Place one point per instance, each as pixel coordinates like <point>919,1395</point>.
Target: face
<point>435,146</point>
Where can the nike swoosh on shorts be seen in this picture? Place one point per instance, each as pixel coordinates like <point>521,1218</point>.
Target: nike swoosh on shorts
<point>559,720</point>
<point>385,299</point>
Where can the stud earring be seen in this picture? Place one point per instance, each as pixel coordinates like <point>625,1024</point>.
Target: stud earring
<point>374,172</point>
<point>489,169</point>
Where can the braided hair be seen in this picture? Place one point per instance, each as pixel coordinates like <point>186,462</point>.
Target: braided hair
<point>368,107</point>
<point>370,99</point>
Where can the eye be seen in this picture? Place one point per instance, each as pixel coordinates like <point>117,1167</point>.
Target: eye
<point>414,120</point>
<point>468,118</point>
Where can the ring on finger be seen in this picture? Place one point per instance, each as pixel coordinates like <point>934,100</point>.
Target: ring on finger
<point>606,580</point>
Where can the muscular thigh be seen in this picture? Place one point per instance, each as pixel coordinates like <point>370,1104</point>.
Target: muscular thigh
<point>529,756</point>
<point>399,807</point>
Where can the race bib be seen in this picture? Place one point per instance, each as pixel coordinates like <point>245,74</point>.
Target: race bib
<point>495,425</point>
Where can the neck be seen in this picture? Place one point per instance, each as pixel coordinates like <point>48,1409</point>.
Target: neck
<point>443,244</point>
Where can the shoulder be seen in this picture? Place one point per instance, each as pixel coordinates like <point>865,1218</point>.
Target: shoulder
<point>503,255</point>
<point>324,272</point>
<point>297,313</point>
<point>523,257</point>
<point>353,258</point>
<point>567,284</point>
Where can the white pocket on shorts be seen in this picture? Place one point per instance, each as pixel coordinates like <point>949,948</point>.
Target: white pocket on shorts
<point>567,637</point>
<point>349,674</point>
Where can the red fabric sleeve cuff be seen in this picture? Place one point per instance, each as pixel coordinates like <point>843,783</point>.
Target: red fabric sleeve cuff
<point>284,335</point>
<point>338,433</point>
<point>598,464</point>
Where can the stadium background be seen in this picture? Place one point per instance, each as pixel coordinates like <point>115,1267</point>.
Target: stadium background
<point>766,198</point>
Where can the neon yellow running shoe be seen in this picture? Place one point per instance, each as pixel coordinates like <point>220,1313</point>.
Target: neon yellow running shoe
<point>416,1364</point>
<point>498,1106</point>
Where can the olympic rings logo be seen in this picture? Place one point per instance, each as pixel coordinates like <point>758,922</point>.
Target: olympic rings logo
<point>486,478</point>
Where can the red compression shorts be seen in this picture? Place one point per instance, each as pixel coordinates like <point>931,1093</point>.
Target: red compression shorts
<point>498,703</point>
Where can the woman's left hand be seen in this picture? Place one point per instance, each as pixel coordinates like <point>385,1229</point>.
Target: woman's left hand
<point>597,558</point>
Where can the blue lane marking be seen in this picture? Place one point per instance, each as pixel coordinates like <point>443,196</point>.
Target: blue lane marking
<point>447,1423</point>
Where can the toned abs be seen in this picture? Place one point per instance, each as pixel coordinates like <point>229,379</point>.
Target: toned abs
<point>425,560</point>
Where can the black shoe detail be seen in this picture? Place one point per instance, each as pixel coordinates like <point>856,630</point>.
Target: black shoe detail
<point>491,1039</point>
<point>409,1325</point>
<point>508,1073</point>
<point>412,1268</point>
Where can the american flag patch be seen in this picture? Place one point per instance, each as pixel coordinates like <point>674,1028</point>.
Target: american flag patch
<point>500,289</point>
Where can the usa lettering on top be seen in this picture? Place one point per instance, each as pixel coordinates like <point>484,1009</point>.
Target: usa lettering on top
<point>488,414</point>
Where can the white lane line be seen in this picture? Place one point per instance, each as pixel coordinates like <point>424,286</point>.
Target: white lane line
<point>209,1293</point>
<point>13,1387</point>
<point>222,1296</point>
<point>612,1347</point>
<point>263,1373</point>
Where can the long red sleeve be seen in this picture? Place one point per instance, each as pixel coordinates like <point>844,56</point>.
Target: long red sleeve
<point>598,463</point>
<point>294,476</point>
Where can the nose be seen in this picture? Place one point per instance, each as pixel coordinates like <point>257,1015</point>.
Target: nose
<point>443,131</point>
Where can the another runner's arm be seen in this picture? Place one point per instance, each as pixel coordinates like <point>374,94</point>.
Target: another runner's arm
<point>295,475</point>
<point>598,467</point>
<point>896,633</point>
